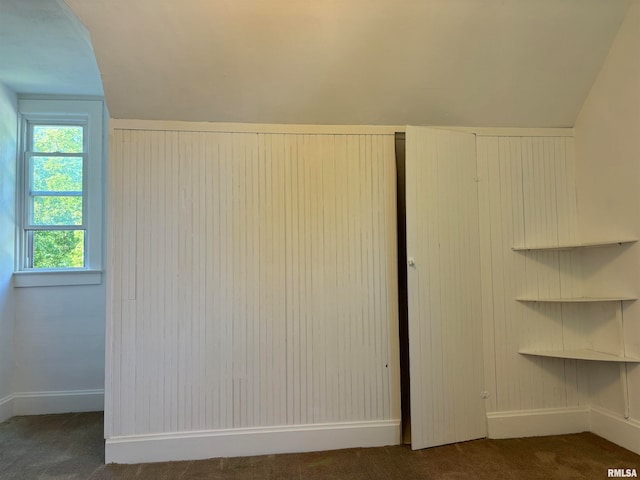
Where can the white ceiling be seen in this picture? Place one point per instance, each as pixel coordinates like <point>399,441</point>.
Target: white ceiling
<point>44,49</point>
<point>446,62</point>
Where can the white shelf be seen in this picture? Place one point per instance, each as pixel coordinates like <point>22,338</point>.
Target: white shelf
<point>604,243</point>
<point>576,299</point>
<point>582,354</point>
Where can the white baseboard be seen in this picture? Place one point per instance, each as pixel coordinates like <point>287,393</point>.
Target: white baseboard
<point>534,423</point>
<point>616,429</point>
<point>250,441</point>
<point>40,403</point>
<point>6,408</point>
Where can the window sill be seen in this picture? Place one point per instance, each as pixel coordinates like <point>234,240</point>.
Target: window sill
<point>57,278</point>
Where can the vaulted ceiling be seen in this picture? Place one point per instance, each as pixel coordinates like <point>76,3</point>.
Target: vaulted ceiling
<point>446,62</point>
<point>44,49</point>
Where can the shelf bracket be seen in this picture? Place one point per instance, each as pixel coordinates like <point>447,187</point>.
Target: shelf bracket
<point>624,377</point>
<point>625,389</point>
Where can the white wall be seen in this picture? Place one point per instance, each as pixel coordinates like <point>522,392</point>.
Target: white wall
<point>527,197</point>
<point>51,338</point>
<point>8,139</point>
<point>59,348</point>
<point>252,285</point>
<point>607,136</point>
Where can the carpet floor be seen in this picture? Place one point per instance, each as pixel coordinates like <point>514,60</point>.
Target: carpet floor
<point>70,446</point>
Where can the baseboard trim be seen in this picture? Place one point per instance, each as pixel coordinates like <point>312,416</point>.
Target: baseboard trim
<point>615,428</point>
<point>40,403</point>
<point>6,408</point>
<point>540,422</point>
<point>250,441</point>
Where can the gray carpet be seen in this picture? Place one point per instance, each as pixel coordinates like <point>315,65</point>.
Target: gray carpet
<point>70,446</point>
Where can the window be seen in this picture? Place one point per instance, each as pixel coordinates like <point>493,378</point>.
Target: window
<point>59,233</point>
<point>55,222</point>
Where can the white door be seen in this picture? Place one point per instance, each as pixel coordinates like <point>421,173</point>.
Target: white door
<point>445,323</point>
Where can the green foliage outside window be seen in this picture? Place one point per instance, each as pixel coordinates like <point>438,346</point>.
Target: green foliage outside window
<point>56,196</point>
<point>58,249</point>
<point>57,138</point>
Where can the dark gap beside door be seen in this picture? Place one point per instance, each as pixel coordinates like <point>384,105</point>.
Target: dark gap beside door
<point>403,302</point>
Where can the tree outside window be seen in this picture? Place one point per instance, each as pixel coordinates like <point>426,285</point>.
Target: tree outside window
<point>55,231</point>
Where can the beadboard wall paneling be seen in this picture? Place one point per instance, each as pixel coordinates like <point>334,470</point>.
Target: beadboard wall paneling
<point>527,198</point>
<point>252,280</point>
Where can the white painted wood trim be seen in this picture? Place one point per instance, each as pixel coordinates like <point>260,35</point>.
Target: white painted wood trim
<point>513,132</point>
<point>57,278</point>
<point>161,125</point>
<point>581,354</point>
<point>6,408</point>
<point>615,428</point>
<point>40,403</point>
<point>533,423</point>
<point>572,246</point>
<point>250,441</point>
<point>620,298</point>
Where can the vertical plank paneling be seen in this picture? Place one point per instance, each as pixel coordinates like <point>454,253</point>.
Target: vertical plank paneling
<point>129,233</point>
<point>489,305</point>
<point>265,241</point>
<point>114,290</point>
<point>291,297</point>
<point>305,347</point>
<point>226,317</point>
<point>342,255</point>
<point>444,288</point>
<point>329,279</point>
<point>527,198</point>
<point>389,293</point>
<point>155,325</point>
<point>185,288</point>
<point>173,316</point>
<point>279,292</point>
<point>211,337</point>
<point>252,280</point>
<point>254,316</point>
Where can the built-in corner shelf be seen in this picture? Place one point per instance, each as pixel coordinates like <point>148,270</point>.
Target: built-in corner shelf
<point>582,354</point>
<point>577,299</point>
<point>573,246</point>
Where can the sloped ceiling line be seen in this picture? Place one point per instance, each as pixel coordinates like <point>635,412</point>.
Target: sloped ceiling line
<point>510,63</point>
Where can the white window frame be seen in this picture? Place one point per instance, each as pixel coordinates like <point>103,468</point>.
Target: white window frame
<point>90,113</point>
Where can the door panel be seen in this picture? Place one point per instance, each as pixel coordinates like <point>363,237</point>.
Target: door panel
<point>445,323</point>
